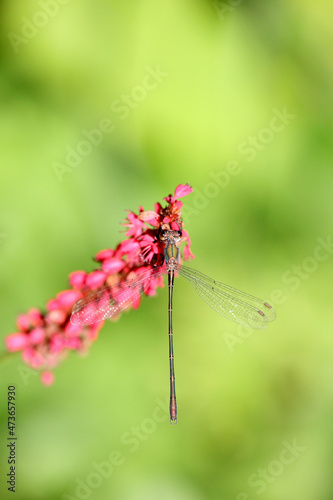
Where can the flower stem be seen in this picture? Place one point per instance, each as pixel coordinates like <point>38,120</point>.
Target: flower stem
<point>4,355</point>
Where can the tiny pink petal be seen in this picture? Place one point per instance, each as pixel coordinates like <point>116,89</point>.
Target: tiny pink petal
<point>134,224</point>
<point>113,266</point>
<point>187,253</point>
<point>52,304</point>
<point>47,378</point>
<point>74,343</point>
<point>22,322</point>
<point>37,336</point>
<point>35,317</point>
<point>33,358</point>
<point>158,208</point>
<point>136,302</point>
<point>77,279</point>
<point>67,298</point>
<point>182,190</point>
<point>187,249</point>
<point>57,316</point>
<point>73,330</point>
<point>169,199</point>
<point>95,279</point>
<point>154,283</point>
<point>104,254</point>
<point>16,341</point>
<point>130,245</point>
<point>151,217</point>
<point>94,330</point>
<point>175,226</point>
<point>57,343</point>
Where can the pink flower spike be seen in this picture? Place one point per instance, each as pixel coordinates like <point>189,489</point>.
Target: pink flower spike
<point>182,190</point>
<point>104,254</point>
<point>113,266</point>
<point>77,279</point>
<point>37,336</point>
<point>22,322</point>
<point>95,279</point>
<point>67,298</point>
<point>46,337</point>
<point>17,341</point>
<point>47,378</point>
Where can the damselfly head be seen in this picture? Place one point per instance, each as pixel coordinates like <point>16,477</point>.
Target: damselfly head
<point>169,235</point>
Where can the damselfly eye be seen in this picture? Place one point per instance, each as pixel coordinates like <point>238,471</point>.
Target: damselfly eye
<point>178,234</point>
<point>163,234</point>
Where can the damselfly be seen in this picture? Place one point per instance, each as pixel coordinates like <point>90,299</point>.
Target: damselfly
<point>227,301</point>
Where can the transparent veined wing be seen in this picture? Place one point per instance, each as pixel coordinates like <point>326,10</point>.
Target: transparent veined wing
<point>109,301</point>
<point>231,303</point>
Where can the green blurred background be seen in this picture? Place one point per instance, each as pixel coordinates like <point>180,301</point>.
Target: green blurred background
<point>259,214</point>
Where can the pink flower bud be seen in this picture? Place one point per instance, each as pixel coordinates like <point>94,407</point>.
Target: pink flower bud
<point>57,316</point>
<point>73,330</point>
<point>22,322</point>
<point>174,226</point>
<point>113,265</point>
<point>74,343</point>
<point>35,317</point>
<point>52,304</point>
<point>47,378</point>
<point>182,190</point>
<point>67,298</point>
<point>33,358</point>
<point>95,279</point>
<point>77,279</point>
<point>104,254</point>
<point>37,336</point>
<point>57,343</point>
<point>94,330</point>
<point>17,341</point>
<point>130,245</point>
<point>187,253</point>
